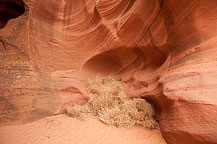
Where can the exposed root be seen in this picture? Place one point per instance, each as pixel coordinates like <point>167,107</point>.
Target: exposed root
<point>109,104</point>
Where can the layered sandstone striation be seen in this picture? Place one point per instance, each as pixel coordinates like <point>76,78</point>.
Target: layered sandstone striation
<point>164,51</point>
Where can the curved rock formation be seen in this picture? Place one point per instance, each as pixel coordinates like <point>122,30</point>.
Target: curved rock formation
<point>162,50</point>
<point>190,83</point>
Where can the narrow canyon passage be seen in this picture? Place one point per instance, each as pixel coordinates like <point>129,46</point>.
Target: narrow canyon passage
<point>162,50</point>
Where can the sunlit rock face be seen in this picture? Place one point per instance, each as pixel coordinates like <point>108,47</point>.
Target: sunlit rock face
<point>162,50</point>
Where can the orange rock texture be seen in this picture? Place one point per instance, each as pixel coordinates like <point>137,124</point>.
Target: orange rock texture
<point>164,51</point>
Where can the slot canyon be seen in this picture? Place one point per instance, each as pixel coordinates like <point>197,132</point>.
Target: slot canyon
<point>164,51</point>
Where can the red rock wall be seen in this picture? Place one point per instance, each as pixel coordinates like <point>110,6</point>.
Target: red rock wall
<point>190,84</point>
<point>162,50</point>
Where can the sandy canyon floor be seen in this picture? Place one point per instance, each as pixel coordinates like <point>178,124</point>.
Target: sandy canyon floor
<point>62,129</point>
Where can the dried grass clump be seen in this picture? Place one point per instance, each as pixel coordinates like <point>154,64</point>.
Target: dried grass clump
<point>109,104</point>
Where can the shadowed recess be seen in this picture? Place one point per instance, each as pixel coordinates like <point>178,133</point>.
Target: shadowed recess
<point>10,9</point>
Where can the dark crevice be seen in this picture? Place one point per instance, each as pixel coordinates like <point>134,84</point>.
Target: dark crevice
<point>130,5</point>
<point>3,44</point>
<point>10,9</point>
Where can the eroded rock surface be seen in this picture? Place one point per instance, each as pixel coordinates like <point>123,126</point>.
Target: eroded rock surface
<point>162,50</point>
